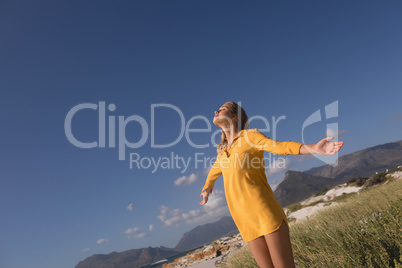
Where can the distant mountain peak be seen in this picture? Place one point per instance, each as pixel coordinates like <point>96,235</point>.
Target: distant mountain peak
<point>206,233</point>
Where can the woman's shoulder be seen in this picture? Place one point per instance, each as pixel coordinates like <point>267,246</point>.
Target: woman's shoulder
<point>252,131</point>
<point>253,134</point>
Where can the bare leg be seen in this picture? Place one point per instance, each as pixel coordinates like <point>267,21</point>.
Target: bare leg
<point>260,252</point>
<point>280,248</point>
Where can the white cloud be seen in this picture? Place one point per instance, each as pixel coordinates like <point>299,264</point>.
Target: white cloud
<point>163,212</point>
<point>206,171</point>
<point>134,233</point>
<point>152,228</point>
<point>279,165</point>
<point>138,236</point>
<point>335,132</point>
<point>86,249</point>
<point>130,207</point>
<point>102,240</point>
<point>132,230</point>
<point>186,180</point>
<point>215,207</point>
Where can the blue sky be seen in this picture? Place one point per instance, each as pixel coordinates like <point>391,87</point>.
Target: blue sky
<point>60,203</point>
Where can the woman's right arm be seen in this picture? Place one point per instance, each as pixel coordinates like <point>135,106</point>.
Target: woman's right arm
<point>214,173</point>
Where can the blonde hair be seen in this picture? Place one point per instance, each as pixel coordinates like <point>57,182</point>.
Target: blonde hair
<point>242,122</point>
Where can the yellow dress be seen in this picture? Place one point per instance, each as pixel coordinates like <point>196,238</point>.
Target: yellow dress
<point>249,197</point>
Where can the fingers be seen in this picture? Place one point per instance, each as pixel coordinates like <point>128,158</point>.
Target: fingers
<point>328,147</point>
<point>204,201</point>
<point>204,198</point>
<point>335,147</point>
<point>338,145</point>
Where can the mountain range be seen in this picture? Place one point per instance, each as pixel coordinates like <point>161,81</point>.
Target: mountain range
<point>134,258</point>
<point>295,187</point>
<point>207,233</point>
<point>127,259</point>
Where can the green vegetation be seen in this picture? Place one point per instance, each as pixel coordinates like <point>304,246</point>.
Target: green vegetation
<point>293,208</point>
<point>376,179</point>
<point>359,181</point>
<point>343,197</point>
<point>364,231</point>
<point>241,259</point>
<point>323,192</point>
<point>396,169</point>
<point>298,206</point>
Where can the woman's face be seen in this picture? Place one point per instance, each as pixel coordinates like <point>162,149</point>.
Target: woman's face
<point>223,117</point>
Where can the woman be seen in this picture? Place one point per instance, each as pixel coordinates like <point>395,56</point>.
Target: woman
<point>258,216</point>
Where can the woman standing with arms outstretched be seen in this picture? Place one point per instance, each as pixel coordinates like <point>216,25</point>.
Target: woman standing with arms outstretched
<point>258,216</point>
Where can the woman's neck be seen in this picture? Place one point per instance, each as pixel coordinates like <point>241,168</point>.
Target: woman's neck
<point>231,133</point>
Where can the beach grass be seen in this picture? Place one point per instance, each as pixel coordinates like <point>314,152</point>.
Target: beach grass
<point>241,259</point>
<point>364,230</point>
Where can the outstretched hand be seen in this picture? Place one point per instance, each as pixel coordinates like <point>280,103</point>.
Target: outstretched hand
<point>324,146</point>
<point>328,147</point>
<point>204,196</point>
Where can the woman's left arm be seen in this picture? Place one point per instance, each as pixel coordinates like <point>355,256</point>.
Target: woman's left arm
<point>324,146</point>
